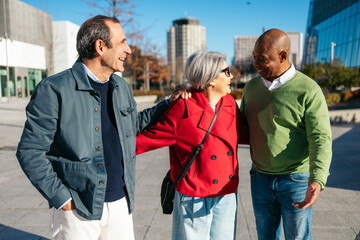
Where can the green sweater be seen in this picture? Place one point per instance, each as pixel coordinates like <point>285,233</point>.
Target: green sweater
<point>289,127</point>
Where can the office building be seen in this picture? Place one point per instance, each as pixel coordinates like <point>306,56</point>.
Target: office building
<point>183,38</point>
<point>333,32</point>
<point>244,46</point>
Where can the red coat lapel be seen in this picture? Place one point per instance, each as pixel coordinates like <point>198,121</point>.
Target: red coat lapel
<point>224,120</point>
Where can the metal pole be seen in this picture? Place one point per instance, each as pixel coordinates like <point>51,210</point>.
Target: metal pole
<point>6,54</point>
<point>332,52</point>
<point>147,77</point>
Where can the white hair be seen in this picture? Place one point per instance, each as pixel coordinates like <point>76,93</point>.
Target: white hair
<point>202,67</point>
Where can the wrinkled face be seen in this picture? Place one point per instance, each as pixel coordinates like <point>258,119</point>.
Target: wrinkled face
<point>114,57</point>
<point>267,61</point>
<point>222,82</point>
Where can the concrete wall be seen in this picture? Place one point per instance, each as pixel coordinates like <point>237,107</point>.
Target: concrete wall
<point>345,116</point>
<point>22,54</point>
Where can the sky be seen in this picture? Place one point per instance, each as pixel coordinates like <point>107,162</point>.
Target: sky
<point>223,19</point>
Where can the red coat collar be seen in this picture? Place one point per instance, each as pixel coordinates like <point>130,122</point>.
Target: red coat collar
<point>224,120</point>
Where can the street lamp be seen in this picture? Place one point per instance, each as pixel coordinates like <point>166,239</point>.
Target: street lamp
<point>6,54</point>
<point>332,52</point>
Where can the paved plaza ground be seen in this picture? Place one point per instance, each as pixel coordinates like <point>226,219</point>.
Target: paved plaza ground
<point>24,214</point>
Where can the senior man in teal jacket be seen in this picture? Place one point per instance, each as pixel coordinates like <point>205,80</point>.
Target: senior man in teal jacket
<point>78,143</point>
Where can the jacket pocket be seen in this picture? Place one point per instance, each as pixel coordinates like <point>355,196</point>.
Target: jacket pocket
<point>299,177</point>
<point>128,120</point>
<point>71,173</point>
<point>126,110</point>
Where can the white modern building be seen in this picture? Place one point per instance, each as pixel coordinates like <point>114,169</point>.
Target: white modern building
<point>296,48</point>
<point>64,42</point>
<point>183,38</point>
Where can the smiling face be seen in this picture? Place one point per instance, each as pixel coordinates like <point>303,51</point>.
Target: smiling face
<point>267,61</point>
<point>221,84</point>
<point>113,57</point>
<point>271,54</point>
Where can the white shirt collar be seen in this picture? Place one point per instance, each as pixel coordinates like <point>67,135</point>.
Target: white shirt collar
<point>212,106</point>
<point>91,75</point>
<point>278,82</point>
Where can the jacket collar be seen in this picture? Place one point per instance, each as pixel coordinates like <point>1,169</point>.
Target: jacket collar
<point>81,78</point>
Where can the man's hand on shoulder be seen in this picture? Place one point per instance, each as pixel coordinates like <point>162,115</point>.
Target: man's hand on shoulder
<point>179,91</point>
<point>311,196</point>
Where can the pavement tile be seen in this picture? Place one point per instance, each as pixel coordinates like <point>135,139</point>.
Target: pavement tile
<point>148,190</point>
<point>333,233</point>
<point>326,219</point>
<point>18,187</point>
<point>36,217</point>
<point>152,176</point>
<point>24,202</point>
<point>159,232</point>
<point>341,199</point>
<point>143,217</point>
<point>140,232</point>
<point>146,202</point>
<point>10,216</point>
<point>349,218</point>
<point>162,219</point>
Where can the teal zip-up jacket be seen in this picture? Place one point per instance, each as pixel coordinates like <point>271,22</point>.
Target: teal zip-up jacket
<point>60,149</point>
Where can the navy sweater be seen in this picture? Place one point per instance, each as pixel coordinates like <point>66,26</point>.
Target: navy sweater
<point>115,188</point>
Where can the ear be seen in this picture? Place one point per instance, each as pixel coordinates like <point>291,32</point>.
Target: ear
<point>212,83</point>
<point>283,56</point>
<point>99,46</point>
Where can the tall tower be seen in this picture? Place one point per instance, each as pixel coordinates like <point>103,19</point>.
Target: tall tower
<point>184,38</point>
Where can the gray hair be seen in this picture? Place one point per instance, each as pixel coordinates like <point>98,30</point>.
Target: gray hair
<point>91,30</point>
<point>202,67</point>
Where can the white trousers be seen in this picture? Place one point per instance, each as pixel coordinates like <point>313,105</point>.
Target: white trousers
<point>115,223</point>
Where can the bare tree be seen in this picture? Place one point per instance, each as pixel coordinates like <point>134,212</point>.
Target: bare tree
<point>122,9</point>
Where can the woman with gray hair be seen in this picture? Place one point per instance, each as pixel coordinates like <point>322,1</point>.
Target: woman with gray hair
<point>205,200</point>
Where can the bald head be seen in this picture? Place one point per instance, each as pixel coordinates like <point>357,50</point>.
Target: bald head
<point>271,54</point>
<point>276,39</point>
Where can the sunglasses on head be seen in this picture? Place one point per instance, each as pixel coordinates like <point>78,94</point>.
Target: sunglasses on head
<point>226,71</point>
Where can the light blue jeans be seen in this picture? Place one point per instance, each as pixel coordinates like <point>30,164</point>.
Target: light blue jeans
<point>196,218</point>
<point>272,196</point>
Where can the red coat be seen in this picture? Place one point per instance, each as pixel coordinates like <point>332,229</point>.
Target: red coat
<point>215,170</point>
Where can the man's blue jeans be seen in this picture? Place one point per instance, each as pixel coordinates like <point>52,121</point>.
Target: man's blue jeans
<point>272,197</point>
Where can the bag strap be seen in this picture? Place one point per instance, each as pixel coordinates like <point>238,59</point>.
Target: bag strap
<point>187,165</point>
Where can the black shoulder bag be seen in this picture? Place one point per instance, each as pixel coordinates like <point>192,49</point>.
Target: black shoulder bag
<point>168,186</point>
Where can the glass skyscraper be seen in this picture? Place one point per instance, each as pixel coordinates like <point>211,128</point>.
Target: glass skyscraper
<point>333,32</point>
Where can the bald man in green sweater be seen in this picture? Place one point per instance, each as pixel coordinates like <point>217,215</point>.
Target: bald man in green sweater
<point>290,140</point>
